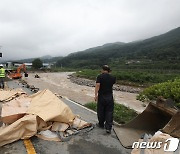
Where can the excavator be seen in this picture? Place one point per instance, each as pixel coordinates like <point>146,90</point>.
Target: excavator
<point>160,115</point>
<point>17,74</point>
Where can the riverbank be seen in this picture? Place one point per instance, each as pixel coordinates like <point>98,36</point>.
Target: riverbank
<point>61,84</point>
<point>91,83</point>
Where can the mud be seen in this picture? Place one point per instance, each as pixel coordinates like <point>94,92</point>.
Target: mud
<point>61,84</point>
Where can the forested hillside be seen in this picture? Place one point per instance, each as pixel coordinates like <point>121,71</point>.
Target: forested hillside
<point>161,52</point>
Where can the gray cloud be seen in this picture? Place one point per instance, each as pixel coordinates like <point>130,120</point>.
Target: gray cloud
<point>32,28</point>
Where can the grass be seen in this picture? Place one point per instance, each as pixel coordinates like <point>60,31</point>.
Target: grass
<point>122,114</point>
<point>129,77</point>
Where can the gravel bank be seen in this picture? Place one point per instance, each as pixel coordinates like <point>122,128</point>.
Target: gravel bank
<point>91,83</point>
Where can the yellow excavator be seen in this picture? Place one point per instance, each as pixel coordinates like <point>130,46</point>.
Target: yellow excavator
<point>17,74</point>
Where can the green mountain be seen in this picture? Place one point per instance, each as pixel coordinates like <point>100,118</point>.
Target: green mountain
<point>160,51</point>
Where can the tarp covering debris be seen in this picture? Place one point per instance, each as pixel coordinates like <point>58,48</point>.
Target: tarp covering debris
<point>9,95</point>
<point>50,108</point>
<point>23,128</point>
<point>42,114</point>
<point>15,109</point>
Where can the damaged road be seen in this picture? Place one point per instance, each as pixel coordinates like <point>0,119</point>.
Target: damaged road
<point>94,141</point>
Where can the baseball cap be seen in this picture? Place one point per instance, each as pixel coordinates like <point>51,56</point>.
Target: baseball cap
<point>106,68</point>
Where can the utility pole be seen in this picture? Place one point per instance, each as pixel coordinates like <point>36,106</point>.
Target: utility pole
<point>0,52</point>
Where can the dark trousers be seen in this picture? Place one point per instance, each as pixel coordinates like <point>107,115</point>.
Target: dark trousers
<point>2,83</point>
<point>105,108</point>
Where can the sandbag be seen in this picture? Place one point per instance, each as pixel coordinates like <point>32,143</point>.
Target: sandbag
<point>23,128</point>
<point>7,95</point>
<point>14,109</point>
<point>42,112</point>
<point>50,108</point>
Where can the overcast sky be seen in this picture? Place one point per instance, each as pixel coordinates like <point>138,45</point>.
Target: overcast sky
<point>33,28</point>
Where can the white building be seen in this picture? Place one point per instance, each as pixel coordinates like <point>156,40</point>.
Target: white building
<point>11,65</point>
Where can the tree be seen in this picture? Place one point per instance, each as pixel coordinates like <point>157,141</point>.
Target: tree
<point>37,63</point>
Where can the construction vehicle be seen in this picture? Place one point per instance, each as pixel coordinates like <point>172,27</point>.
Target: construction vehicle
<point>160,115</point>
<point>17,74</point>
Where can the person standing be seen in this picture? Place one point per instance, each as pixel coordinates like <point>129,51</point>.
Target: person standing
<point>104,98</point>
<point>2,76</point>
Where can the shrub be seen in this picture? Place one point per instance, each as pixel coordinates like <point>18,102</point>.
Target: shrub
<point>169,89</point>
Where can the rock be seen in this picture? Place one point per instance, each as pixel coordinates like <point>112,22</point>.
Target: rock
<point>91,83</point>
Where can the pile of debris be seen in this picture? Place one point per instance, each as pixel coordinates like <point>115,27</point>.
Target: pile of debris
<point>31,87</point>
<point>42,114</point>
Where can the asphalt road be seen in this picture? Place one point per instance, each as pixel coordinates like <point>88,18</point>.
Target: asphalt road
<point>95,141</point>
